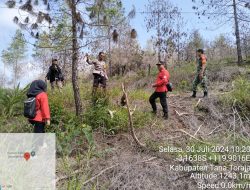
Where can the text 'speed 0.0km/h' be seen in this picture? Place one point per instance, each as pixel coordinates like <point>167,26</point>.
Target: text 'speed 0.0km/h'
<point>221,167</point>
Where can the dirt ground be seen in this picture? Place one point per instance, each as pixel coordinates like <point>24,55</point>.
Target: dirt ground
<point>127,166</point>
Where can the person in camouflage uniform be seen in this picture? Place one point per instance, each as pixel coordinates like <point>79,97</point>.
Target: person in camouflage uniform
<point>200,77</point>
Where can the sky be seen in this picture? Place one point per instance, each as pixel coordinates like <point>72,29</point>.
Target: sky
<point>209,30</point>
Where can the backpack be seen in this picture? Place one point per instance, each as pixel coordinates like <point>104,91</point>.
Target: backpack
<point>30,108</point>
<point>61,77</point>
<point>170,87</point>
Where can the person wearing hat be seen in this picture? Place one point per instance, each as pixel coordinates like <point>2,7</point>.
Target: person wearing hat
<point>200,77</point>
<point>160,86</point>
<point>55,75</point>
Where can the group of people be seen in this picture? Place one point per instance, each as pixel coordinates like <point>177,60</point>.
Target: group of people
<point>38,88</point>
<point>163,79</point>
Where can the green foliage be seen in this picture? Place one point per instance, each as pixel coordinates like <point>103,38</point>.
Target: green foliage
<point>71,133</point>
<point>2,92</point>
<point>182,76</point>
<point>15,125</point>
<point>73,137</point>
<point>141,73</point>
<point>15,53</point>
<point>184,84</point>
<point>139,94</point>
<point>115,92</point>
<point>239,96</point>
<point>16,50</point>
<point>87,130</point>
<point>141,119</point>
<point>99,116</point>
<point>11,101</point>
<point>154,72</point>
<point>57,109</point>
<point>106,11</point>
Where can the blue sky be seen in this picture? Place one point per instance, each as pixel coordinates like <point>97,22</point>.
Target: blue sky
<point>207,30</point>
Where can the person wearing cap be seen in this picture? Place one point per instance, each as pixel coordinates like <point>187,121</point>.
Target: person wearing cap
<point>55,76</point>
<point>160,86</point>
<point>200,77</point>
<point>99,72</point>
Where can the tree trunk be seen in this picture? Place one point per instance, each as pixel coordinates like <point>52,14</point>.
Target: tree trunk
<point>149,69</point>
<point>110,60</point>
<point>77,97</point>
<point>158,34</point>
<point>178,42</point>
<point>4,79</point>
<point>237,33</point>
<point>15,74</point>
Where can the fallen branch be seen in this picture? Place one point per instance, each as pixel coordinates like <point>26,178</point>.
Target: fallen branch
<point>175,106</point>
<point>67,177</point>
<point>185,113</point>
<point>171,138</point>
<point>132,111</point>
<point>197,130</point>
<point>197,103</point>
<point>214,130</point>
<point>97,175</point>
<point>81,171</point>
<point>100,173</point>
<point>181,130</point>
<point>131,127</point>
<point>181,114</point>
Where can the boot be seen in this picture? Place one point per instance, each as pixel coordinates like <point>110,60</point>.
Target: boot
<point>165,116</point>
<point>205,94</point>
<point>194,94</point>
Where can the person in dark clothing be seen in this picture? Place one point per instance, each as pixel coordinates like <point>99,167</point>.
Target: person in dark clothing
<point>160,90</point>
<point>38,90</point>
<point>55,75</point>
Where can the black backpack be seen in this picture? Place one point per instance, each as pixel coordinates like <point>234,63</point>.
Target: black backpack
<point>30,108</point>
<point>170,87</point>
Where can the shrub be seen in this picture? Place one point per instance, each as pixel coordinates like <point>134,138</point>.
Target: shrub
<point>239,96</point>
<point>184,85</point>
<point>116,91</point>
<point>182,76</point>
<point>99,116</point>
<point>73,138</point>
<point>15,125</point>
<point>139,94</point>
<point>141,119</point>
<point>11,101</point>
<point>57,109</point>
<point>141,73</point>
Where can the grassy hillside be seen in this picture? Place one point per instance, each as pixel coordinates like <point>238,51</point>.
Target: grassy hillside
<point>99,141</point>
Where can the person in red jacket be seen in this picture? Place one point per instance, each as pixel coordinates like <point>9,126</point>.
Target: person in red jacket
<point>38,89</point>
<point>160,90</point>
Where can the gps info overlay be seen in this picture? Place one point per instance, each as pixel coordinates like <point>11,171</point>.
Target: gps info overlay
<point>27,161</point>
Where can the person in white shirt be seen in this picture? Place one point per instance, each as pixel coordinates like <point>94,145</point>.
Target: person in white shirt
<point>99,72</point>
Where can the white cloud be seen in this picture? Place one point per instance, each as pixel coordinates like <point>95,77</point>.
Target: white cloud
<point>6,19</point>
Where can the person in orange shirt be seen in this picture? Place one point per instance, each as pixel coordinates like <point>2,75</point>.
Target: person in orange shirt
<point>200,77</point>
<point>38,90</point>
<point>160,86</point>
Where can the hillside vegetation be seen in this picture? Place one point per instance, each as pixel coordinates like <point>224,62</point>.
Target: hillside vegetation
<point>96,150</point>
